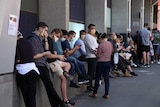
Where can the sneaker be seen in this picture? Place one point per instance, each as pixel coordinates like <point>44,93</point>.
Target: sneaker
<point>68,102</point>
<point>134,65</point>
<point>74,85</point>
<point>158,62</point>
<point>148,66</point>
<point>144,65</point>
<point>64,105</point>
<point>80,82</point>
<point>134,74</point>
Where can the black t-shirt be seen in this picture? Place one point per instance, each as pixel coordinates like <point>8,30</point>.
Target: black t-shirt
<point>24,51</point>
<point>50,43</point>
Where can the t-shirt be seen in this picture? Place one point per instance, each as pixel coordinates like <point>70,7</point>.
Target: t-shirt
<point>50,43</point>
<point>24,51</point>
<point>65,45</point>
<point>104,51</point>
<point>57,47</point>
<point>91,45</point>
<point>38,47</point>
<point>82,50</point>
<point>145,36</point>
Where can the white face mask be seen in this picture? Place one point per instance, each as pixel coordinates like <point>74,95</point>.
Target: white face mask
<point>63,39</point>
<point>93,31</point>
<point>72,39</point>
<point>55,38</point>
<point>83,36</point>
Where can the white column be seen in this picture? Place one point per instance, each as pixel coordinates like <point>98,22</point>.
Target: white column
<point>142,14</point>
<point>129,16</point>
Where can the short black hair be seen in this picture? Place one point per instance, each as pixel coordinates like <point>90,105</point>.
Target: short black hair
<point>41,24</point>
<point>80,32</point>
<point>71,32</point>
<point>91,25</point>
<point>102,35</point>
<point>145,24</point>
<point>64,32</point>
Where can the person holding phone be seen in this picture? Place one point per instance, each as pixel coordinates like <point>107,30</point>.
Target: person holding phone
<point>80,54</point>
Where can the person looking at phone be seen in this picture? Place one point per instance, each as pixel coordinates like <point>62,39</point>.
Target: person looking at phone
<point>80,54</point>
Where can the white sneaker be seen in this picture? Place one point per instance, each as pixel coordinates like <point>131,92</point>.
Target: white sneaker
<point>134,65</point>
<point>158,62</point>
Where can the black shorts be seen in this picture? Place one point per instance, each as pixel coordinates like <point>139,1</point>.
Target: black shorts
<point>145,48</point>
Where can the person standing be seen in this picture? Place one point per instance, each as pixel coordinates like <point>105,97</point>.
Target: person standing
<point>40,55</point>
<point>145,44</point>
<point>91,48</point>
<point>27,72</point>
<point>104,52</point>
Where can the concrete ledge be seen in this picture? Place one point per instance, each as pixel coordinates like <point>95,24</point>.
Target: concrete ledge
<point>6,90</point>
<point>41,95</point>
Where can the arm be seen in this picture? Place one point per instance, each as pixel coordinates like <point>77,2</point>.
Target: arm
<point>53,56</point>
<point>70,52</point>
<point>90,44</point>
<point>46,45</point>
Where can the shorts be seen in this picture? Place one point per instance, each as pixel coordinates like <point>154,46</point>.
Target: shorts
<point>158,50</point>
<point>145,48</point>
<point>56,67</point>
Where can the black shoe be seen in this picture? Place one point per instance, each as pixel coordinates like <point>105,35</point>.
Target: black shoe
<point>74,85</point>
<point>64,105</point>
<point>68,102</point>
<point>89,88</point>
<point>134,74</point>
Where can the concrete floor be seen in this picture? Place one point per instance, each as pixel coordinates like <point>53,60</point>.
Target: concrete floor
<point>140,91</point>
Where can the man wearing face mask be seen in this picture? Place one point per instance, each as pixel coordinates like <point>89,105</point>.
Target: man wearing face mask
<point>40,53</point>
<point>80,54</point>
<point>91,48</point>
<point>68,52</point>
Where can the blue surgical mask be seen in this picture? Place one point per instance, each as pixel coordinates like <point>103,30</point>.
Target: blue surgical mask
<point>63,39</point>
<point>72,39</point>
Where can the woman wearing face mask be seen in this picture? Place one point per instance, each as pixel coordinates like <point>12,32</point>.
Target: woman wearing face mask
<point>104,53</point>
<point>91,48</point>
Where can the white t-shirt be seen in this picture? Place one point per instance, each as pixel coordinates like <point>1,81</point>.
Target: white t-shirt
<point>91,45</point>
<point>25,68</point>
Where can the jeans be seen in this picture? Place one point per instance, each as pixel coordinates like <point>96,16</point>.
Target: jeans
<point>27,85</point>
<point>77,64</point>
<point>102,68</point>
<point>91,69</point>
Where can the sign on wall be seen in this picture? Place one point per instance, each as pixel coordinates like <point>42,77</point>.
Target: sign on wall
<point>13,25</point>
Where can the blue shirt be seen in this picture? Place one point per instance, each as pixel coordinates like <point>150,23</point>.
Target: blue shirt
<point>58,47</point>
<point>82,50</point>
<point>66,45</point>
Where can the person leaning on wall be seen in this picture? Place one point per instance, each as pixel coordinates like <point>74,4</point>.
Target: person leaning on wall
<point>27,72</point>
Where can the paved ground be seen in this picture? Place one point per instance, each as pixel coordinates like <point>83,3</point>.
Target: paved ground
<point>140,91</point>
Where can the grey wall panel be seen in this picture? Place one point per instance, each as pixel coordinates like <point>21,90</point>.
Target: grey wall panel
<point>7,42</point>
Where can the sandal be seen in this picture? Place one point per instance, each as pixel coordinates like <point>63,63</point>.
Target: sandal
<point>67,75</point>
